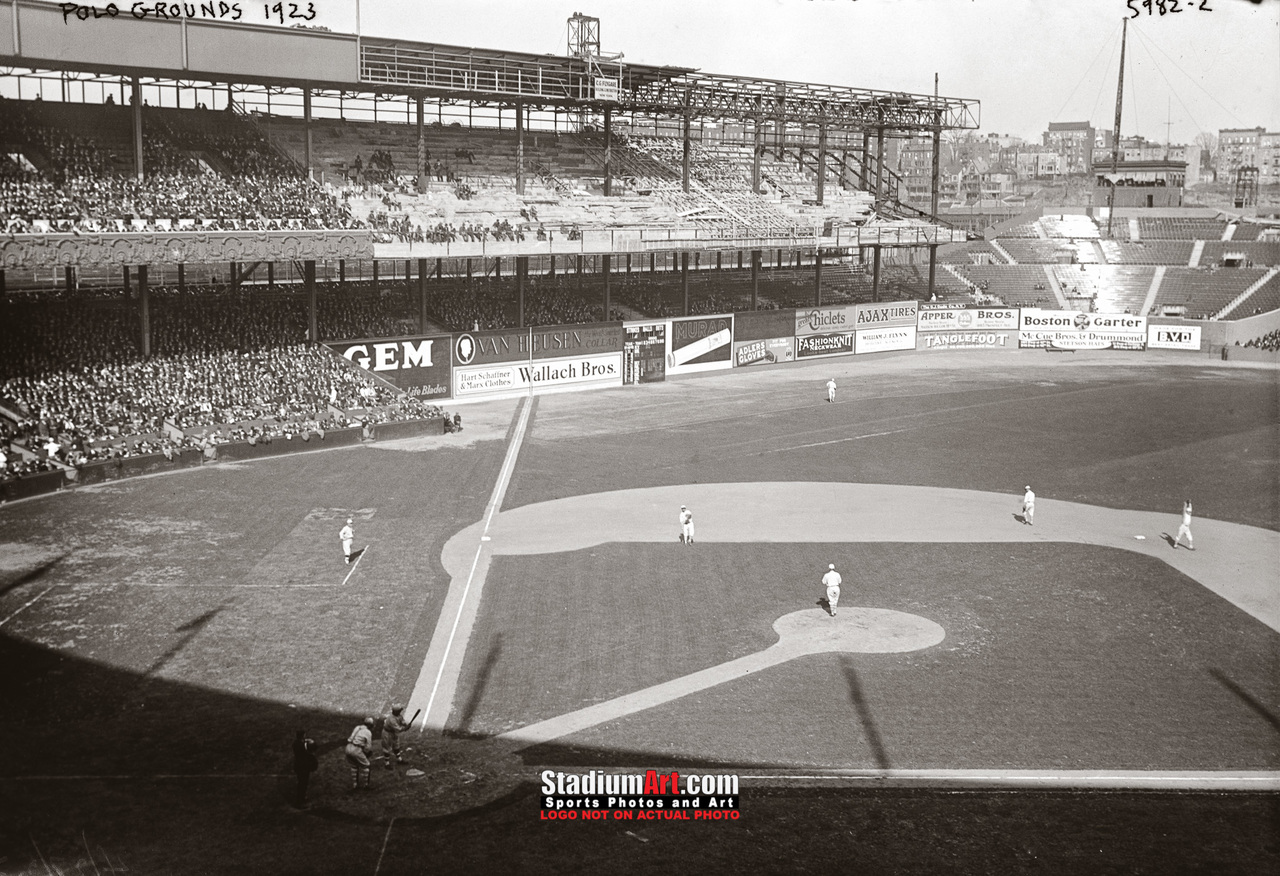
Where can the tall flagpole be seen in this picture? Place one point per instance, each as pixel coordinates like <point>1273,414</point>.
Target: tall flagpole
<point>1115,135</point>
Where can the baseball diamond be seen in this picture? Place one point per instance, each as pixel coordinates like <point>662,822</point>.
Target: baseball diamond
<point>418,457</point>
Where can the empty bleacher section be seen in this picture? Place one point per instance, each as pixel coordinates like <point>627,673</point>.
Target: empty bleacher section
<point>1109,288</point>
<point>1179,228</point>
<point>969,253</point>
<point>1204,291</point>
<point>1048,252</point>
<point>1015,285</point>
<point>1156,252</point>
<point>1248,252</point>
<point>1069,225</point>
<point>1264,299</point>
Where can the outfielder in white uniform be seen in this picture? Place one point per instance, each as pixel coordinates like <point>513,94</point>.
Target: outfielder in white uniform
<point>686,525</point>
<point>832,582</point>
<point>347,534</point>
<point>1029,506</point>
<point>1185,528</point>
<point>831,390</point>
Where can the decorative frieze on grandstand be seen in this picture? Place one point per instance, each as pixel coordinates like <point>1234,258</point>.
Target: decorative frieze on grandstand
<point>45,251</point>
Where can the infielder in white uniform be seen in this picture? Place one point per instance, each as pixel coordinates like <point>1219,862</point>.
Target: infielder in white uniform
<point>831,390</point>
<point>347,534</point>
<point>1185,528</point>
<point>1029,506</point>
<point>686,525</point>
<point>832,581</point>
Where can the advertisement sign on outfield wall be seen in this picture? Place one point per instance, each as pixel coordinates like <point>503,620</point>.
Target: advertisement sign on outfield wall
<point>765,351</point>
<point>814,346</point>
<point>1173,337</point>
<point>420,365</point>
<point>699,343</point>
<point>542,375</point>
<point>558,341</point>
<point>481,348</point>
<point>884,327</point>
<point>825,331</point>
<point>970,340</point>
<point>889,314</point>
<point>644,352</point>
<point>1073,330</point>
<point>956,317</point>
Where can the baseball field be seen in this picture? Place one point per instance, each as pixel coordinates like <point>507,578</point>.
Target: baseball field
<point>1073,696</point>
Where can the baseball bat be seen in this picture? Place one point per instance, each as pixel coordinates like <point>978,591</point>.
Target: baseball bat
<point>415,717</point>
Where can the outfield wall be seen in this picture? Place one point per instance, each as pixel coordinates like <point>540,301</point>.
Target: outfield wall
<point>504,363</point>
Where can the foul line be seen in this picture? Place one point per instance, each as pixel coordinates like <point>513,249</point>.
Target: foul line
<point>355,564</point>
<point>1205,780</point>
<point>27,605</point>
<point>836,441</point>
<point>495,502</point>
<point>385,840</point>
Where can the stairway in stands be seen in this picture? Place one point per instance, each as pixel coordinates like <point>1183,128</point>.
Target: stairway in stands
<point>1239,299</point>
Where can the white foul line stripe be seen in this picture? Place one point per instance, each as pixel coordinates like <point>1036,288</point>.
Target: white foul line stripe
<point>495,501</point>
<point>26,605</point>
<point>356,563</point>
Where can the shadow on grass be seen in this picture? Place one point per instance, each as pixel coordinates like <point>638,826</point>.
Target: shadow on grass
<point>31,575</point>
<point>1247,698</point>
<point>868,721</point>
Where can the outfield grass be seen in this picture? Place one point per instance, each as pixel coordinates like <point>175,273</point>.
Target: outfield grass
<point>162,638</point>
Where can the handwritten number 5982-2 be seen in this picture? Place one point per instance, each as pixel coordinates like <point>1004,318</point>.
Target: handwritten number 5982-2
<point>1164,7</point>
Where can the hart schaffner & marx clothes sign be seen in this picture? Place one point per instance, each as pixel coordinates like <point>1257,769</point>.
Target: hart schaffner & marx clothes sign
<point>1073,330</point>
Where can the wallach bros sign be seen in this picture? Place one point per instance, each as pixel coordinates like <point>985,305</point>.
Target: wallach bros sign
<point>542,375</point>
<point>1074,330</point>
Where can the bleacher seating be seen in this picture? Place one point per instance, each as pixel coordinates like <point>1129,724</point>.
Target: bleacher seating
<point>1204,291</point>
<point>1112,288</point>
<point>1180,228</point>
<point>1020,285</point>
<point>1264,299</point>
<point>1046,252</point>
<point>1255,252</point>
<point>1157,252</point>
<point>1072,226</point>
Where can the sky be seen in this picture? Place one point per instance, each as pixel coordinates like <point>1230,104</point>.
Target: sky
<point>1028,62</point>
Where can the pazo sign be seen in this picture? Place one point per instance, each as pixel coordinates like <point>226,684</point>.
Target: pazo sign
<point>421,366</point>
<point>1074,330</point>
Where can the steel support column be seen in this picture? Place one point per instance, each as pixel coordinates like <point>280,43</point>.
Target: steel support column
<point>422,295</point>
<point>144,312</point>
<point>137,127</point>
<point>755,278</point>
<point>608,153</point>
<point>817,278</point>
<point>519,148</point>
<point>684,280</point>
<point>875,273</point>
<point>606,264</point>
<point>306,129</point>
<point>309,287</point>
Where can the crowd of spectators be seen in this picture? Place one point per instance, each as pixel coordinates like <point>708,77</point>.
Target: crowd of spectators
<point>168,403</point>
<point>1270,342</point>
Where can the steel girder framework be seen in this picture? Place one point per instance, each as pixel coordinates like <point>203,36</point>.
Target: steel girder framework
<point>489,76</point>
